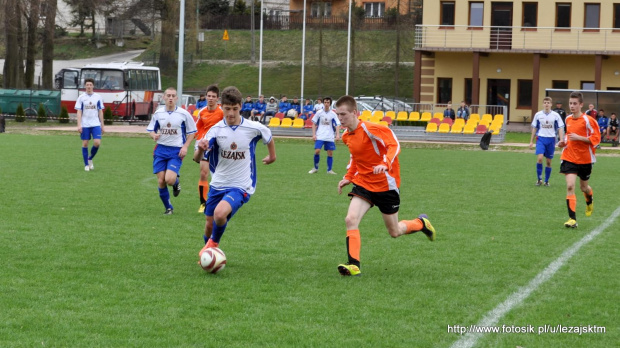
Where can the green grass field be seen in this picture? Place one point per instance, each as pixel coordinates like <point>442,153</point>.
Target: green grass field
<point>90,261</point>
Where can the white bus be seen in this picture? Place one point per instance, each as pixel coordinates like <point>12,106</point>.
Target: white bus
<point>130,89</point>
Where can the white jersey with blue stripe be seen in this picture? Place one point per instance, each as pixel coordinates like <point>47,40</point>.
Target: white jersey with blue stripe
<point>173,126</point>
<point>232,154</point>
<point>547,124</point>
<point>90,104</point>
<point>326,122</point>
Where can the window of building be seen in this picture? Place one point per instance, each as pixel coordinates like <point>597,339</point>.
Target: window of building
<point>447,13</point>
<point>562,15</point>
<point>530,14</point>
<point>592,16</point>
<point>321,9</point>
<point>374,9</point>
<point>616,23</point>
<point>559,84</point>
<point>587,85</point>
<point>524,91</point>
<point>476,14</point>
<point>468,91</point>
<point>444,90</point>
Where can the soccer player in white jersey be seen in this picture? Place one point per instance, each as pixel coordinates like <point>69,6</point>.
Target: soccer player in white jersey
<point>230,148</point>
<point>172,128</point>
<point>545,125</point>
<point>325,128</point>
<point>89,108</point>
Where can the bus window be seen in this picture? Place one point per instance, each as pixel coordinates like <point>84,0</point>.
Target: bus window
<point>112,79</point>
<point>70,79</point>
<point>91,74</point>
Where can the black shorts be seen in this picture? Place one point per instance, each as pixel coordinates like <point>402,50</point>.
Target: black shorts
<point>583,171</point>
<point>388,202</point>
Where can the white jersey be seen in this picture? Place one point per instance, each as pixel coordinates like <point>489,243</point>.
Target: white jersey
<point>326,123</point>
<point>232,154</point>
<point>90,104</point>
<point>547,124</point>
<point>318,107</point>
<point>173,126</point>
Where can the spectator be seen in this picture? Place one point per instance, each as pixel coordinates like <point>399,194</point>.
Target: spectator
<point>558,109</point>
<point>270,109</point>
<point>463,111</point>
<point>259,108</point>
<point>603,121</point>
<point>284,105</point>
<point>449,112</point>
<point>296,105</point>
<point>612,129</point>
<point>592,112</point>
<point>308,110</point>
<point>246,108</point>
<point>202,102</point>
<point>319,105</point>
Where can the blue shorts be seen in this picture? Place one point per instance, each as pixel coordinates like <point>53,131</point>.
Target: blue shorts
<point>87,132</point>
<point>328,145</point>
<point>166,158</point>
<point>234,196</point>
<point>545,146</point>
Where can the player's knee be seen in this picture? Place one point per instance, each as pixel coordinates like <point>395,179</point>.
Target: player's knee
<point>394,233</point>
<point>351,220</point>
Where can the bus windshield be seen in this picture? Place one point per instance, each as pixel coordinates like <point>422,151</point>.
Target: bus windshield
<point>104,79</point>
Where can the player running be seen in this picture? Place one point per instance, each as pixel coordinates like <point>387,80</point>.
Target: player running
<point>375,173</point>
<point>89,108</point>
<point>545,125</point>
<point>207,117</point>
<point>230,146</point>
<point>172,128</point>
<point>579,147</point>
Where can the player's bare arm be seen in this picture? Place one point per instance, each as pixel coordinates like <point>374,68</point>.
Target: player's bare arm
<point>79,121</point>
<point>101,120</point>
<point>271,147</point>
<point>183,150</point>
<point>341,184</point>
<point>532,137</point>
<point>154,136</point>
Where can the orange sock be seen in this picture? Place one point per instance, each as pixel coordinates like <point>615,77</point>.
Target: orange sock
<point>588,196</point>
<point>571,203</point>
<point>413,225</point>
<point>354,244</point>
<point>203,190</point>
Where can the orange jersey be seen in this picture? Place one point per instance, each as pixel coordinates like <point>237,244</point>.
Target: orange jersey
<point>579,152</point>
<point>206,119</point>
<point>370,145</point>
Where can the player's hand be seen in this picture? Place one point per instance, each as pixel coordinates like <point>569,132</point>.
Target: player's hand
<point>341,184</point>
<point>155,137</point>
<point>79,129</point>
<point>269,160</point>
<point>314,137</point>
<point>183,152</point>
<point>561,143</point>
<point>575,137</point>
<point>379,169</point>
<point>531,144</point>
<point>102,130</point>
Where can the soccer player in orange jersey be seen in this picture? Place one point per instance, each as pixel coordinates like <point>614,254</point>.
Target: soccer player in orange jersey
<point>579,147</point>
<point>375,173</point>
<point>207,117</point>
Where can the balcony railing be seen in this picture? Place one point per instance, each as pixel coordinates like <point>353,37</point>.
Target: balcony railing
<point>524,39</point>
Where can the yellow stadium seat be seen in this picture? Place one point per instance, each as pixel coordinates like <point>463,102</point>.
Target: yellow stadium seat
<point>460,122</point>
<point>366,114</point>
<point>431,128</point>
<point>274,122</point>
<point>298,123</point>
<point>485,122</point>
<point>472,122</point>
<point>438,115</point>
<point>444,128</point>
<point>286,123</point>
<point>469,129</point>
<point>376,119</point>
<point>378,113</point>
<point>196,112</point>
<point>384,123</point>
<point>402,116</point>
<point>426,116</point>
<point>390,114</point>
<point>457,128</point>
<point>474,117</point>
<point>487,117</point>
<point>498,117</point>
<point>414,116</point>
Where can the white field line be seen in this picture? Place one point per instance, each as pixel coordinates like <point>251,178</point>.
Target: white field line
<point>492,318</point>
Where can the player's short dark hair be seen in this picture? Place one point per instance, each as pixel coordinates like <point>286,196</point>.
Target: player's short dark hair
<point>599,110</point>
<point>577,95</point>
<point>231,96</point>
<point>89,80</point>
<point>548,98</point>
<point>328,98</point>
<point>347,100</point>
<point>213,88</point>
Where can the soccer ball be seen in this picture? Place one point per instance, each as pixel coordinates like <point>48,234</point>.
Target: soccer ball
<point>213,260</point>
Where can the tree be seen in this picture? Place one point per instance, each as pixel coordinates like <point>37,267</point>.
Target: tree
<point>169,24</point>
<point>239,7</point>
<point>32,20</point>
<point>214,7</point>
<point>48,45</point>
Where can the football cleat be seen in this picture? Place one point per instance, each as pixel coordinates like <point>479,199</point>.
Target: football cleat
<point>91,165</point>
<point>176,189</point>
<point>87,168</point>
<point>349,270</point>
<point>202,208</point>
<point>313,170</point>
<point>539,182</point>
<point>331,172</point>
<point>168,211</point>
<point>572,223</point>
<point>547,184</point>
<point>427,228</point>
<point>209,244</point>
<point>589,209</point>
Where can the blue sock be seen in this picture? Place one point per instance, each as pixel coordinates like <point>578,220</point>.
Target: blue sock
<point>539,170</point>
<point>330,162</point>
<point>218,231</point>
<point>317,158</point>
<point>205,238</point>
<point>93,152</point>
<point>547,173</point>
<point>85,155</point>
<point>165,197</point>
